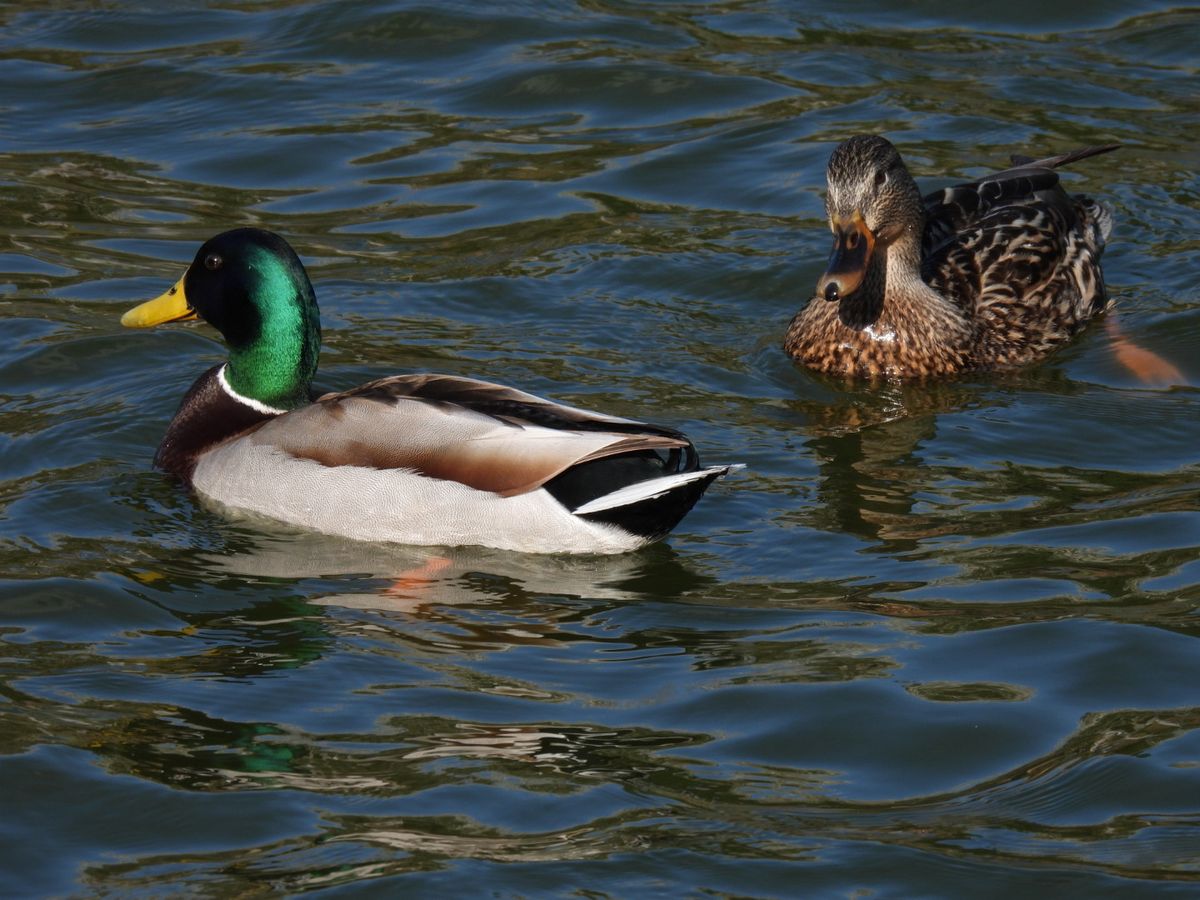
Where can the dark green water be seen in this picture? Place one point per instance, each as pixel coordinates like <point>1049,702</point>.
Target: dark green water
<point>936,641</point>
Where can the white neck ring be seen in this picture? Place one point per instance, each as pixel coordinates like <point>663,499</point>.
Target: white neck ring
<point>256,405</point>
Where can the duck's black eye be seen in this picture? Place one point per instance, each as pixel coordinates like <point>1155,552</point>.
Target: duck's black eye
<point>213,261</point>
<point>881,178</point>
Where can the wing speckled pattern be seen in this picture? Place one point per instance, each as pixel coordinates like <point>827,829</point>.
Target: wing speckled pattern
<point>990,274</point>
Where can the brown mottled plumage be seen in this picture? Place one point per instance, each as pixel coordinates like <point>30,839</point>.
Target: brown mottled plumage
<point>991,274</point>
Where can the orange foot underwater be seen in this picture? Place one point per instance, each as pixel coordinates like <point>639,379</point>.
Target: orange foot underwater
<point>1148,366</point>
<point>415,581</point>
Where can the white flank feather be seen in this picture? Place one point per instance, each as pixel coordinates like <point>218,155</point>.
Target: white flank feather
<point>396,505</point>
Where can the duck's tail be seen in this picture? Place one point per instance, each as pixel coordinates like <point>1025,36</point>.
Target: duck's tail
<point>653,507</point>
<point>1063,159</point>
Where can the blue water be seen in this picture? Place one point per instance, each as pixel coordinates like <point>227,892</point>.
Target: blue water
<point>933,641</point>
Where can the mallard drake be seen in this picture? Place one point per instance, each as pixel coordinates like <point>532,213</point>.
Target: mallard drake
<point>991,274</point>
<point>414,459</point>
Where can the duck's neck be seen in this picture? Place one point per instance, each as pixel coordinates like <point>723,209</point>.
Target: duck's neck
<point>950,324</point>
<point>864,307</point>
<point>276,363</point>
<point>891,273</point>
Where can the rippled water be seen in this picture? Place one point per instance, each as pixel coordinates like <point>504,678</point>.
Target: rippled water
<point>933,641</point>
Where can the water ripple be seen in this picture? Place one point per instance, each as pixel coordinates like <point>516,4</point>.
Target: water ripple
<point>935,639</point>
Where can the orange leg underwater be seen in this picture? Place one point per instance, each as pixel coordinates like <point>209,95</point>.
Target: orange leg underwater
<point>1147,365</point>
<point>415,581</point>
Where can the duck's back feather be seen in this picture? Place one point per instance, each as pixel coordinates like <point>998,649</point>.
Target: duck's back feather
<point>482,435</point>
<point>953,212</point>
<point>1019,256</point>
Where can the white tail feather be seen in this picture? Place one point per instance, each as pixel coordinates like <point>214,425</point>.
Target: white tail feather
<point>648,490</point>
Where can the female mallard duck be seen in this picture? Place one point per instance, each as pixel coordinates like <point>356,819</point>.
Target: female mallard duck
<point>415,459</point>
<point>987,275</point>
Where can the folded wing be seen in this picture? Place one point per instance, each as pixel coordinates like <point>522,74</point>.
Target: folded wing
<point>483,435</point>
<point>1014,232</point>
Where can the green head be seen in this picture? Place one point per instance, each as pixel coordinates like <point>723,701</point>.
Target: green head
<point>250,285</point>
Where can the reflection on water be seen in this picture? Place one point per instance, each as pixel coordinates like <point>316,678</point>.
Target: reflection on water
<point>936,640</point>
<point>409,578</point>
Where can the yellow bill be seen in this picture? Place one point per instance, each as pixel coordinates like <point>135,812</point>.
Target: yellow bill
<point>172,306</point>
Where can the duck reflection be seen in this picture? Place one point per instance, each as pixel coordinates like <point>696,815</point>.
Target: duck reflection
<point>866,448</point>
<point>413,580</point>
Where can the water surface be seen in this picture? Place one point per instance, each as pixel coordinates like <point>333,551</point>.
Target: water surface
<point>932,641</point>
